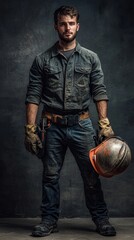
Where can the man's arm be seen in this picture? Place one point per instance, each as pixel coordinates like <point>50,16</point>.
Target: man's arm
<point>99,94</point>
<point>31,113</point>
<point>33,97</point>
<point>101,107</point>
<point>104,124</point>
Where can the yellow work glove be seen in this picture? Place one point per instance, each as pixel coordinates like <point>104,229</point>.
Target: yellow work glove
<point>32,141</point>
<point>105,129</point>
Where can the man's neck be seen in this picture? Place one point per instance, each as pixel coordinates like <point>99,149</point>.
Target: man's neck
<point>67,46</point>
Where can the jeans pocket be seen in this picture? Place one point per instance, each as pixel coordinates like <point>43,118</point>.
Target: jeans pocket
<point>86,124</point>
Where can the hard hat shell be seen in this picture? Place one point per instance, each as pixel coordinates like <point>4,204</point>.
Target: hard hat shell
<point>111,157</point>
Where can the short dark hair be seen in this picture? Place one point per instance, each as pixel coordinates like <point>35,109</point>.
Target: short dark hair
<point>66,10</point>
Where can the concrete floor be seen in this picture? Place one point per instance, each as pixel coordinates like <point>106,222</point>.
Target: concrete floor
<point>69,229</point>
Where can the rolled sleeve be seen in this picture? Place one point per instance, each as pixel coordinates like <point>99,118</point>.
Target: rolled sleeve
<point>34,89</point>
<point>98,88</point>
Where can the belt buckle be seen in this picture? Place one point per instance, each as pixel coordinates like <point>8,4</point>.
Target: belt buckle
<point>68,120</point>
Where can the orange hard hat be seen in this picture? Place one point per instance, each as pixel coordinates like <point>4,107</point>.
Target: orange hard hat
<point>111,157</point>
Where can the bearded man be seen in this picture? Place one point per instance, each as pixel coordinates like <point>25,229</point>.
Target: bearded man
<point>65,78</point>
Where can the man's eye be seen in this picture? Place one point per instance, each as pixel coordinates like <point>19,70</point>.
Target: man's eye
<point>62,24</point>
<point>72,23</point>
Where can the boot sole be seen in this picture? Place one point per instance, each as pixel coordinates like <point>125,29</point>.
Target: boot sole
<point>106,233</point>
<point>41,234</point>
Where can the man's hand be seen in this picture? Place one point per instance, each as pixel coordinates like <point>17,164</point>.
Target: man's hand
<point>32,141</point>
<point>105,129</point>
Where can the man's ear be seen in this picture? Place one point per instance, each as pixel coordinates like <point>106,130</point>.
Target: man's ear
<point>78,27</point>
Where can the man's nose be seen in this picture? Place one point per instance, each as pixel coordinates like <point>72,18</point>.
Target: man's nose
<point>67,26</point>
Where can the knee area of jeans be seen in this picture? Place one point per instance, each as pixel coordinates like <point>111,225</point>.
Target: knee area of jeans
<point>51,172</point>
<point>50,178</point>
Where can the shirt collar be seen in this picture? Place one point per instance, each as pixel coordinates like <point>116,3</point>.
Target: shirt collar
<point>55,50</point>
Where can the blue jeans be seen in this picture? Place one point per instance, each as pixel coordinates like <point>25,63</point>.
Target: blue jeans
<point>79,139</point>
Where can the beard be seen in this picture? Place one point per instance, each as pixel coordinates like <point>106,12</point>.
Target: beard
<point>67,40</point>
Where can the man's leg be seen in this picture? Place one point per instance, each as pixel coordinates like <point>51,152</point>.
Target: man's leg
<point>55,149</point>
<point>82,140</point>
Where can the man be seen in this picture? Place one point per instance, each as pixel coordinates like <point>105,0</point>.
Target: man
<point>65,78</point>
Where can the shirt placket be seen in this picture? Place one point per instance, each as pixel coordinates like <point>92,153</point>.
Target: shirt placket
<point>68,83</point>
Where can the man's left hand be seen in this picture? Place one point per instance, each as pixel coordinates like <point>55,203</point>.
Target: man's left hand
<point>105,129</point>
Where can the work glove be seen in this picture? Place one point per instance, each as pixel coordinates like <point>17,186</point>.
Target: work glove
<point>105,129</point>
<point>32,141</point>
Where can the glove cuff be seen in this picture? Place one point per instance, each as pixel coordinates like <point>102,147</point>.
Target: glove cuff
<point>103,123</point>
<point>30,128</point>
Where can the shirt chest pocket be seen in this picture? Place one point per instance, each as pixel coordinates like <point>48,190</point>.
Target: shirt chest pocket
<point>52,76</point>
<point>82,76</point>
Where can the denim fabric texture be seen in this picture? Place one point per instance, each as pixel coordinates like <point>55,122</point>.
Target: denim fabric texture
<point>66,85</point>
<point>80,139</point>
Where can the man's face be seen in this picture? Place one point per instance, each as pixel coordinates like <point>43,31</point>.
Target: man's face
<point>67,28</point>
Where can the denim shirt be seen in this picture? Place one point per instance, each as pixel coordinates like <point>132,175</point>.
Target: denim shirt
<point>66,85</point>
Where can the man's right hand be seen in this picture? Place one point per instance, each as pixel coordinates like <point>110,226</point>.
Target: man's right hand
<point>32,141</point>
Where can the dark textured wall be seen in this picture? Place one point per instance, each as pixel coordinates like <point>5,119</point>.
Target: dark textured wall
<point>26,28</point>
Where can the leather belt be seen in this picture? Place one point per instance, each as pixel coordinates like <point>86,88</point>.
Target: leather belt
<point>66,120</point>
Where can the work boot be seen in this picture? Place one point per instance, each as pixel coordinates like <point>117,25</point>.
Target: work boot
<point>105,228</point>
<point>44,229</point>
